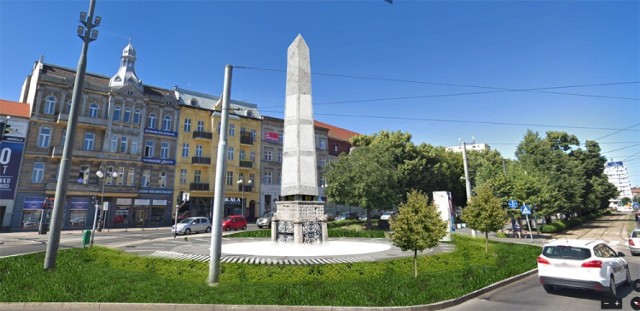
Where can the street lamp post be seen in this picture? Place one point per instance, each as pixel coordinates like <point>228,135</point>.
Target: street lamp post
<point>241,183</point>
<point>87,33</point>
<point>101,223</point>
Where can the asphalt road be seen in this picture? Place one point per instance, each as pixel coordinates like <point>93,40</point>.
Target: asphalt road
<point>528,294</point>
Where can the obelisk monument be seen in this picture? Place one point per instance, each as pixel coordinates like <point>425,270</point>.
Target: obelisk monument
<point>300,216</point>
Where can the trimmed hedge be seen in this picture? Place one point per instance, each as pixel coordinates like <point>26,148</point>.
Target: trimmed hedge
<point>563,224</point>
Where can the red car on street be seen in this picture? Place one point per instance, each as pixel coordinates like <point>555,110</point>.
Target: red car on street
<point>234,222</point>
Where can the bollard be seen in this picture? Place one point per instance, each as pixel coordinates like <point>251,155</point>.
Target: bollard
<point>86,238</point>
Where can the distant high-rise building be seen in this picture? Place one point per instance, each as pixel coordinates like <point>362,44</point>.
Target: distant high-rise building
<point>619,177</point>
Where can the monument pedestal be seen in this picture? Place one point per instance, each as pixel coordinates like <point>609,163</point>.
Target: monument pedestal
<point>299,222</point>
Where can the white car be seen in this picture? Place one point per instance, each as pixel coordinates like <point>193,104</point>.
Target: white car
<point>192,224</point>
<point>634,242</point>
<point>582,264</point>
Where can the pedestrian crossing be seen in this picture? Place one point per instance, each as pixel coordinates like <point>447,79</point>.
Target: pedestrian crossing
<point>263,261</point>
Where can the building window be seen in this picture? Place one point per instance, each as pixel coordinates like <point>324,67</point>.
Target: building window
<point>252,177</point>
<point>109,176</point>
<point>230,154</point>
<point>252,156</point>
<point>64,137</point>
<point>148,148</point>
<point>37,176</point>
<point>130,177</point>
<point>163,179</point>
<point>127,115</point>
<point>113,145</point>
<point>93,110</point>
<point>280,156</point>
<point>67,107</point>
<point>146,178</point>
<point>232,130</point>
<point>280,137</point>
<point>242,154</point>
<point>267,155</point>
<point>229,178</point>
<point>183,176</point>
<point>134,146</point>
<point>83,176</point>
<point>200,126</point>
<point>151,121</point>
<point>89,140</point>
<point>323,161</point>
<point>166,123</point>
<point>123,144</point>
<point>120,178</point>
<point>44,137</point>
<point>50,105</point>
<point>197,176</point>
<point>198,150</point>
<point>164,150</point>
<point>322,144</point>
<point>187,125</point>
<point>136,117</point>
<point>185,150</point>
<point>335,147</point>
<point>279,178</point>
<point>116,113</point>
<point>268,179</point>
<point>253,135</point>
<point>218,127</point>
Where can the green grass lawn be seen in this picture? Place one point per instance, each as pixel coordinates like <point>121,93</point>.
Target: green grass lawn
<point>104,275</point>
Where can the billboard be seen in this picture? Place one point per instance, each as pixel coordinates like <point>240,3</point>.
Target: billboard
<point>13,133</point>
<point>444,205</point>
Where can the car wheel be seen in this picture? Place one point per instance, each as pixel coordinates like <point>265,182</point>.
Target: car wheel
<point>207,230</point>
<point>245,227</point>
<point>548,288</point>
<point>187,231</point>
<point>612,288</point>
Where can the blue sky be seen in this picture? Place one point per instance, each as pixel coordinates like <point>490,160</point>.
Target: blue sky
<point>440,70</point>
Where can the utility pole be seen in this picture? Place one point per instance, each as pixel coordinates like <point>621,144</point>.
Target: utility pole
<point>221,167</point>
<point>87,34</point>
<point>467,181</point>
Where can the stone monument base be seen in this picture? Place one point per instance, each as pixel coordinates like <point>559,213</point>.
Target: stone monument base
<point>299,222</point>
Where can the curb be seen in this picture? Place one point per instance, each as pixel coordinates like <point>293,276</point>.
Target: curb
<point>49,306</point>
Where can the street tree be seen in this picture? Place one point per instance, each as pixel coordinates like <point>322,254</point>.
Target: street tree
<point>366,177</point>
<point>418,226</point>
<point>485,213</point>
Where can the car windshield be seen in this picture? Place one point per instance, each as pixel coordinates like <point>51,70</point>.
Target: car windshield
<point>566,252</point>
<point>187,221</point>
<point>267,215</point>
<point>635,234</point>
<point>227,219</point>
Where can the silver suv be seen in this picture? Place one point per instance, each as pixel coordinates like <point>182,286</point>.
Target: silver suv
<point>265,221</point>
<point>192,224</point>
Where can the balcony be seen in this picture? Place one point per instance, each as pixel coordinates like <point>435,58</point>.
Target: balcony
<point>246,164</point>
<point>202,135</point>
<point>246,138</point>
<point>196,186</point>
<point>200,160</point>
<point>93,121</point>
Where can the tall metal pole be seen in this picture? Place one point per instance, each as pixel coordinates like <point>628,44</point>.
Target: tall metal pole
<point>221,168</point>
<point>467,181</point>
<point>67,153</point>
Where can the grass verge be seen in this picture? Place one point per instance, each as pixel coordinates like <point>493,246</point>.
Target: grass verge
<point>104,275</point>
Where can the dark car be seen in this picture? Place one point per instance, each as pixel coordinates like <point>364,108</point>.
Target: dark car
<point>348,215</point>
<point>234,222</point>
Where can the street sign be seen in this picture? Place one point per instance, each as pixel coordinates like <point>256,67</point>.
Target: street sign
<point>105,206</point>
<point>526,210</point>
<point>185,197</point>
<point>513,204</point>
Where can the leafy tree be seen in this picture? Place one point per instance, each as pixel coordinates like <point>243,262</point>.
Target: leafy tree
<point>485,213</point>
<point>418,226</point>
<point>367,177</point>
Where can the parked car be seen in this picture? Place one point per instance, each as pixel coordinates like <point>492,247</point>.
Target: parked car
<point>265,221</point>
<point>362,216</point>
<point>634,242</point>
<point>582,264</point>
<point>192,224</point>
<point>234,222</point>
<point>348,215</point>
<point>383,223</point>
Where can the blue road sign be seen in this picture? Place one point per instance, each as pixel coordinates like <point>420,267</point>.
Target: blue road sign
<point>513,204</point>
<point>526,210</point>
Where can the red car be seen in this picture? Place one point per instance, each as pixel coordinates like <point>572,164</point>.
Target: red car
<point>234,222</point>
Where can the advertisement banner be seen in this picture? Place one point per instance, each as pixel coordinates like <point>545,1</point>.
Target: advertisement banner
<point>79,202</point>
<point>10,156</point>
<point>272,137</point>
<point>442,201</point>
<point>33,203</point>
